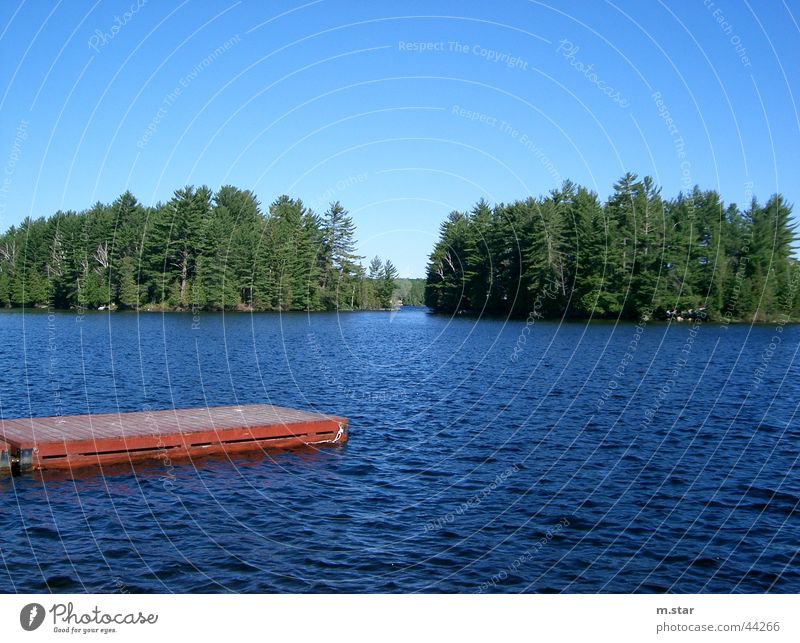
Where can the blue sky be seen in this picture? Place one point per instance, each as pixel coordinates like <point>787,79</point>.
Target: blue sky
<point>403,111</point>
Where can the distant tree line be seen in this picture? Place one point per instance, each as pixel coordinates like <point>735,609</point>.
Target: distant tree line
<point>636,255</point>
<point>201,250</point>
<point>410,291</point>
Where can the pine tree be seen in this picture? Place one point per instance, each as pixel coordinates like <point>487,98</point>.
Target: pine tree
<point>775,234</point>
<point>591,257</point>
<point>636,256</point>
<point>376,272</point>
<point>180,232</point>
<point>386,284</point>
<point>241,242</point>
<point>128,287</point>
<point>448,272</point>
<point>337,259</point>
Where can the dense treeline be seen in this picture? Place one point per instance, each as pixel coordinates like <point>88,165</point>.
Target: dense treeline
<point>198,251</point>
<point>410,291</point>
<point>637,255</point>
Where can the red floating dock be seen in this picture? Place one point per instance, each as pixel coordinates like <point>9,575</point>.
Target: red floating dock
<point>81,440</point>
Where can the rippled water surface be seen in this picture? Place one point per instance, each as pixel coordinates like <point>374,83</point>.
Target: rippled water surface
<point>483,456</point>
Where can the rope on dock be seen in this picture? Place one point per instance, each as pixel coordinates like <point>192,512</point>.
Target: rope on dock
<point>338,437</point>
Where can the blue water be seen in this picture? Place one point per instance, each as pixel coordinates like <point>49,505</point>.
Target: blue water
<point>484,456</point>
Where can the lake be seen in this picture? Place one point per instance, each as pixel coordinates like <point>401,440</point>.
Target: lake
<point>484,456</point>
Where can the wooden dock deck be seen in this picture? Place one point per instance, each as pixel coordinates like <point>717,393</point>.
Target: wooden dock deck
<point>92,440</point>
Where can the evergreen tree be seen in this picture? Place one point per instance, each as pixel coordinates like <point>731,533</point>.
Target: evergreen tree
<point>179,232</point>
<point>374,280</point>
<point>128,287</point>
<point>448,272</point>
<point>337,259</point>
<point>198,250</point>
<point>565,253</point>
<point>637,255</point>
<point>241,242</point>
<point>386,284</point>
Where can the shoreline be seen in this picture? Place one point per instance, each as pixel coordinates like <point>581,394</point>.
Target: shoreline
<point>628,320</point>
<point>189,311</point>
<point>430,311</point>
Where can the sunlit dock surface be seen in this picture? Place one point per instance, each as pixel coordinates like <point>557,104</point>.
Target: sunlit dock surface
<point>94,440</point>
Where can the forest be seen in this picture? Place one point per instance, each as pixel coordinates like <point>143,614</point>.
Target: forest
<point>200,250</point>
<point>636,256</point>
<point>410,291</point>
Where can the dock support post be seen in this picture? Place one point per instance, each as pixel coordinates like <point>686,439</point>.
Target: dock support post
<point>5,460</point>
<point>25,460</point>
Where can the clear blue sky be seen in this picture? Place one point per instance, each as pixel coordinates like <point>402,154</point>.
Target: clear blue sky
<point>328,100</point>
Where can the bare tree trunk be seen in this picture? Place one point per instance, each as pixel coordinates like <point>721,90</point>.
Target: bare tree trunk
<point>184,274</point>
<point>101,255</point>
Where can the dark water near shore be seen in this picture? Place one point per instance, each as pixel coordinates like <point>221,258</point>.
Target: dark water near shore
<point>604,458</point>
